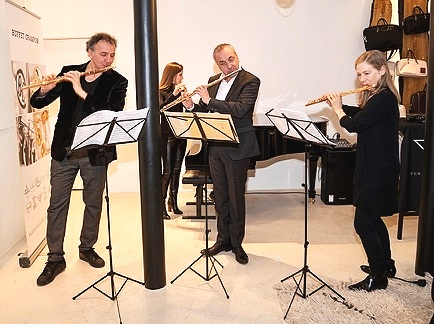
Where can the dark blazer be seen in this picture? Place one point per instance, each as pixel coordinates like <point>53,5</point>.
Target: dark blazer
<point>109,94</point>
<point>240,104</point>
<point>377,161</point>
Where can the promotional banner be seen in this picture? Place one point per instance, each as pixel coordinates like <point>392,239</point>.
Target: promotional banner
<point>33,131</point>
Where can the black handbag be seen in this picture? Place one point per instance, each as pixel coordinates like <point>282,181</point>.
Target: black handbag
<point>418,102</point>
<point>383,37</point>
<point>416,23</point>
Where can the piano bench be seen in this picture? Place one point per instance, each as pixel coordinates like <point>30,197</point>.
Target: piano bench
<point>197,179</point>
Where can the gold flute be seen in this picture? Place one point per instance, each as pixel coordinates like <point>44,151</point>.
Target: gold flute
<point>189,95</point>
<point>345,93</point>
<point>62,78</point>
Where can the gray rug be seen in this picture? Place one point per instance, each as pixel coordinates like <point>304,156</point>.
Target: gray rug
<point>401,302</point>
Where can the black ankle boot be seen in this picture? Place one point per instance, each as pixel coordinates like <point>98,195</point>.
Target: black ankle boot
<point>172,204</point>
<point>389,267</point>
<point>371,282</point>
<point>165,214</point>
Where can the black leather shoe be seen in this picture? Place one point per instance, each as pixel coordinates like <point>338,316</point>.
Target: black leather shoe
<point>371,282</point>
<point>240,255</point>
<point>389,267</point>
<point>51,270</point>
<point>91,257</point>
<point>217,248</point>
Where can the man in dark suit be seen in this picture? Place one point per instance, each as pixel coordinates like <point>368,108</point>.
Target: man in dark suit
<point>229,162</point>
<point>87,88</point>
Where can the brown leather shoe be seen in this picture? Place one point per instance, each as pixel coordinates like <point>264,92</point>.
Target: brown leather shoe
<point>240,255</point>
<point>217,248</point>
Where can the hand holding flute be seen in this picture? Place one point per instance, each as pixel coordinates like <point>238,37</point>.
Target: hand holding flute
<point>334,100</point>
<point>201,90</point>
<point>345,93</point>
<point>179,88</point>
<point>47,85</point>
<point>50,81</point>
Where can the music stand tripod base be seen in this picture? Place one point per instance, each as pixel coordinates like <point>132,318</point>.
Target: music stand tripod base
<point>297,125</point>
<point>114,294</point>
<point>111,273</point>
<point>208,258</point>
<point>117,128</point>
<point>204,127</point>
<point>209,270</point>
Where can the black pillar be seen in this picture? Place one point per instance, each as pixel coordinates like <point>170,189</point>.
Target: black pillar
<point>425,238</point>
<point>146,62</point>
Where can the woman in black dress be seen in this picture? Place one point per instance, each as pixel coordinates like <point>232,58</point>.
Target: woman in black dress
<point>376,122</point>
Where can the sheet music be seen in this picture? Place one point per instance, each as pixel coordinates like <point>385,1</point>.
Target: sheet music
<point>298,125</point>
<point>183,125</point>
<point>93,129</point>
<point>218,127</point>
<point>281,123</point>
<point>306,127</point>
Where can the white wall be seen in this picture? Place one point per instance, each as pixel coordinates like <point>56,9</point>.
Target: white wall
<point>299,50</point>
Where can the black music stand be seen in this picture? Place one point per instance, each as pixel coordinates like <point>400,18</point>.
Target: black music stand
<point>298,126</point>
<point>206,127</point>
<point>100,130</point>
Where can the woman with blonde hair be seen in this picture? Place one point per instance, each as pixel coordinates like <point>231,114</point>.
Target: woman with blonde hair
<point>375,186</point>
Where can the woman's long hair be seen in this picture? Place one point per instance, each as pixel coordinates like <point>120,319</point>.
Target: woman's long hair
<point>377,60</point>
<point>169,72</point>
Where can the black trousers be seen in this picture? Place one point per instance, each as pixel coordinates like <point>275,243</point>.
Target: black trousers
<point>173,152</point>
<point>229,181</point>
<point>375,239</point>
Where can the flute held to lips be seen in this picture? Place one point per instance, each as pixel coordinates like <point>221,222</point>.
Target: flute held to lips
<point>189,95</point>
<point>62,78</point>
<point>345,93</point>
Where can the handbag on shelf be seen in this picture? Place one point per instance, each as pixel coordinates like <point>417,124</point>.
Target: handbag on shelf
<point>383,37</point>
<point>416,23</point>
<point>418,102</point>
<point>411,67</point>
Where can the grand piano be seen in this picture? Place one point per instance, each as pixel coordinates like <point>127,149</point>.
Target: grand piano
<point>272,143</point>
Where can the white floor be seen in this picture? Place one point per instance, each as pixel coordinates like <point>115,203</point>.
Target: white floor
<point>274,242</point>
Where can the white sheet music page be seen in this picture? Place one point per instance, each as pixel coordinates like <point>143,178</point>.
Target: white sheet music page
<point>304,125</point>
<point>93,130</point>
<point>283,126</point>
<point>128,126</point>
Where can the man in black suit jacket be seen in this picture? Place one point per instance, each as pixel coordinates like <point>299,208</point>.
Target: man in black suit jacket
<point>229,162</point>
<point>87,88</point>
